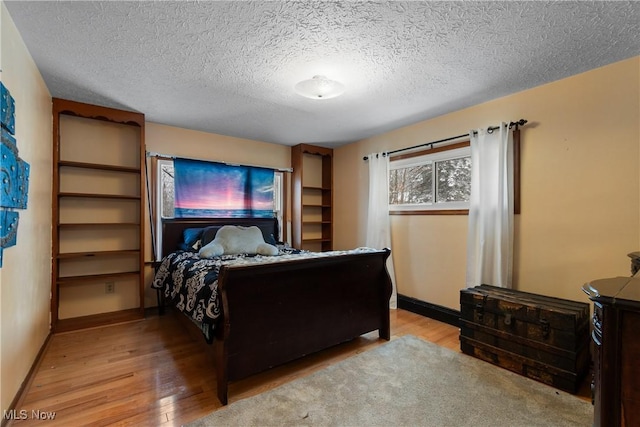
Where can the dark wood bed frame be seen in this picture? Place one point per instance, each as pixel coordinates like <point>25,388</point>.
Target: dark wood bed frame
<point>275,313</point>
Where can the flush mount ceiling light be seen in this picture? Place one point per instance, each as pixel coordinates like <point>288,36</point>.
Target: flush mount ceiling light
<point>319,87</point>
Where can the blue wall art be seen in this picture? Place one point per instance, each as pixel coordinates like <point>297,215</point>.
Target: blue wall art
<point>14,174</point>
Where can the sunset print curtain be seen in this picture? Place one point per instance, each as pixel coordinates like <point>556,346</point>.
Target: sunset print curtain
<point>208,189</point>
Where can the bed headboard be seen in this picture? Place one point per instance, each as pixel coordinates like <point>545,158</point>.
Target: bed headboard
<point>172,228</point>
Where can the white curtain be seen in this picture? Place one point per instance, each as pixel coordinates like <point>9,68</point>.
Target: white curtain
<point>378,226</point>
<point>490,236</point>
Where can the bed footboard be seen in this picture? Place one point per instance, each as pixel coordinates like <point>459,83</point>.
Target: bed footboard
<point>279,312</point>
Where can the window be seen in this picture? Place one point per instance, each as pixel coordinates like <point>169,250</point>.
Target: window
<point>166,195</point>
<point>435,180</point>
<point>166,190</point>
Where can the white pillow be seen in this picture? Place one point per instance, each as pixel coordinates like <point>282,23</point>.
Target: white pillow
<point>235,239</point>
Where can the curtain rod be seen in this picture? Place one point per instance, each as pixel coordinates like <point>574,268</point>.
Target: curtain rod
<point>490,129</point>
<point>169,156</point>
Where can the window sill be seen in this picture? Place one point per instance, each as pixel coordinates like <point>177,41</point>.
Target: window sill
<point>431,212</point>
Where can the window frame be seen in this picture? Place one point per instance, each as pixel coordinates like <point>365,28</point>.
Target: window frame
<point>516,178</point>
<point>432,155</point>
<point>279,208</point>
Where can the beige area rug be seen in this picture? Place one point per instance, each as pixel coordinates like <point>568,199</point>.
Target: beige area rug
<point>408,382</point>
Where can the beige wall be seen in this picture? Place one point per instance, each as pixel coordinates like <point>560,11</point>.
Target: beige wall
<point>26,272</point>
<point>178,142</point>
<point>580,189</point>
<point>194,144</point>
<point>580,194</point>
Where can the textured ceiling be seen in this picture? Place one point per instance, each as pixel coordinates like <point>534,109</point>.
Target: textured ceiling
<point>230,67</point>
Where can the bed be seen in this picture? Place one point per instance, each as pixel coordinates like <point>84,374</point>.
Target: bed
<point>264,311</point>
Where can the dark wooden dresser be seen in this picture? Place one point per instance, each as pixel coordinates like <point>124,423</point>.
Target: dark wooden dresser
<point>635,262</point>
<point>616,357</point>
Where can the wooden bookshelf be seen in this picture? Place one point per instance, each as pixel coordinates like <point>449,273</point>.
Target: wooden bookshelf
<point>312,198</point>
<point>98,208</point>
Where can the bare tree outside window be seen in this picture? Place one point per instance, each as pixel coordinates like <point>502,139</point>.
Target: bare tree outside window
<point>411,185</point>
<point>453,180</point>
<point>168,193</point>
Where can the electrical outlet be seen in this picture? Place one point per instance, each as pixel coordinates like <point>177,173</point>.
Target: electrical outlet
<point>109,287</point>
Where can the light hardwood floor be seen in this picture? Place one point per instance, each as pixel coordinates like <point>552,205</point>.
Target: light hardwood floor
<point>151,373</point>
